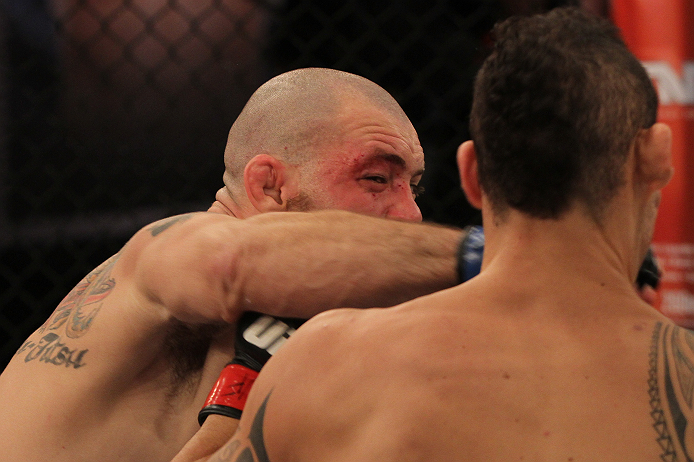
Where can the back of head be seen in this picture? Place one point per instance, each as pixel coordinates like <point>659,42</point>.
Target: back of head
<point>556,107</point>
<point>293,115</point>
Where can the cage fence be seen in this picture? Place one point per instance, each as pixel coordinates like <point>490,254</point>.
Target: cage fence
<point>115,113</point>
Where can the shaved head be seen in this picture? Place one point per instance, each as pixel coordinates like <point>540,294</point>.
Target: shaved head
<point>293,114</point>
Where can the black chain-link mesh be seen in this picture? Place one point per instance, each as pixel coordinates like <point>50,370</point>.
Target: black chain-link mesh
<point>115,113</point>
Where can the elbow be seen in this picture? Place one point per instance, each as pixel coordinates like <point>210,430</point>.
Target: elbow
<point>228,282</point>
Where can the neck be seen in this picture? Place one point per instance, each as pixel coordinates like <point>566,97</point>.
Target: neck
<point>555,252</point>
<point>225,204</point>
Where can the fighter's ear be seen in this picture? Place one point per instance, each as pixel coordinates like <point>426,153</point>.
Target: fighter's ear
<point>269,183</point>
<point>654,156</point>
<point>469,178</point>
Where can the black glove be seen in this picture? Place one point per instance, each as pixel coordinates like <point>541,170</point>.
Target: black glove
<point>258,337</point>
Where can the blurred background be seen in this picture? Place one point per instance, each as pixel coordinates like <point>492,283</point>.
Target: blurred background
<point>114,114</point>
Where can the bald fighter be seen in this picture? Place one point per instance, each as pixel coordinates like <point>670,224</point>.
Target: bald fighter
<point>121,369</point>
<point>549,354</point>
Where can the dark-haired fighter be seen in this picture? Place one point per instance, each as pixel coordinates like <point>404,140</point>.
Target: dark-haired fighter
<point>549,354</point>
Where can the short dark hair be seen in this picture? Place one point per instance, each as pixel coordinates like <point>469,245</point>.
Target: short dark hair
<point>556,108</point>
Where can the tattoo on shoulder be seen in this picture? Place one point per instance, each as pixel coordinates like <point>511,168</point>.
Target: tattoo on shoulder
<point>671,387</point>
<point>250,449</point>
<point>72,319</point>
<point>167,223</point>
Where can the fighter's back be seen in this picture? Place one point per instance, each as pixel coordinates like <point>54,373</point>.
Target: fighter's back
<point>491,379</point>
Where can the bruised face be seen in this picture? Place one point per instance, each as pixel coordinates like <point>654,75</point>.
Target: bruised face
<point>372,165</point>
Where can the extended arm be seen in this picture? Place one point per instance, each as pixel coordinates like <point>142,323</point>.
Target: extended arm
<point>212,267</point>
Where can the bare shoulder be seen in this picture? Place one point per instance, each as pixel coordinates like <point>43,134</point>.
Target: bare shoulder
<point>337,336</point>
<point>327,335</point>
<point>308,386</point>
<point>326,382</point>
<point>347,332</point>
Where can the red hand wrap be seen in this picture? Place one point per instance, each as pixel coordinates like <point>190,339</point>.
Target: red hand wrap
<point>232,387</point>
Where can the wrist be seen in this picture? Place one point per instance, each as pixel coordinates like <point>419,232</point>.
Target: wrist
<point>470,253</point>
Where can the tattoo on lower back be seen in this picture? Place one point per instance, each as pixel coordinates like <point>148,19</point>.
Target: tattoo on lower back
<point>253,452</point>
<point>671,387</point>
<point>167,223</point>
<point>71,319</point>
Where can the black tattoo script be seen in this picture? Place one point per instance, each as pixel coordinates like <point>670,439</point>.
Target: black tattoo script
<point>73,317</point>
<point>671,386</point>
<point>51,350</point>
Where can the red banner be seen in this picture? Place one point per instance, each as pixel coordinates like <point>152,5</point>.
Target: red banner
<point>661,34</point>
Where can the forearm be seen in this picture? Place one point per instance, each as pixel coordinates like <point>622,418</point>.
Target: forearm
<point>331,259</point>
